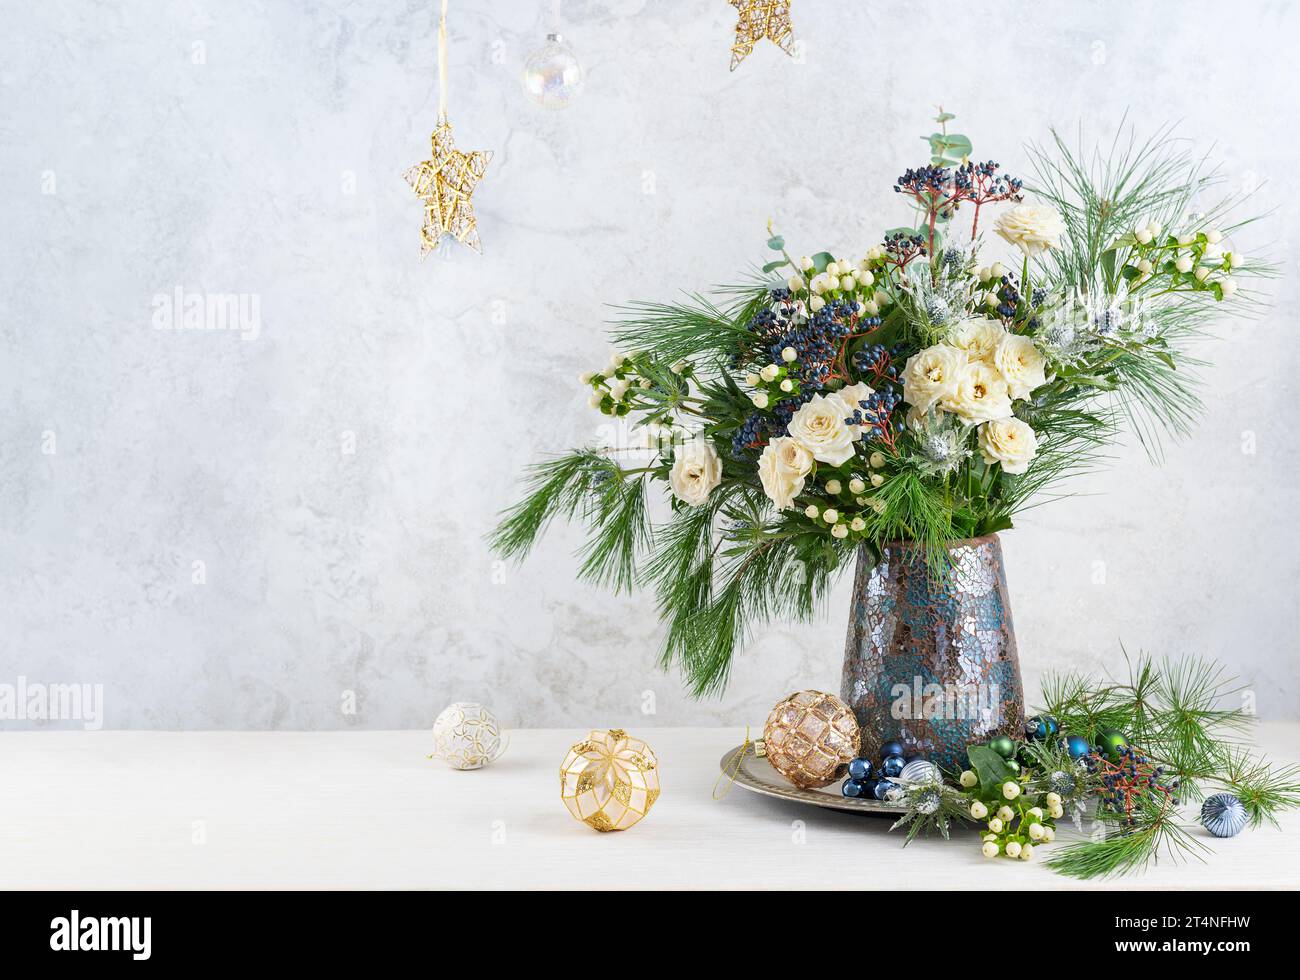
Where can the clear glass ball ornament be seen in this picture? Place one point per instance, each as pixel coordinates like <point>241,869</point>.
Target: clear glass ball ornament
<point>552,75</point>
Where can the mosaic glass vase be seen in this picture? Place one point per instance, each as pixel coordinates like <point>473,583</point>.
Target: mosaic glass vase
<point>930,659</point>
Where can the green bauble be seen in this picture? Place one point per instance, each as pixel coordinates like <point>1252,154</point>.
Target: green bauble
<point>1109,744</point>
<point>1013,765</point>
<point>1003,746</point>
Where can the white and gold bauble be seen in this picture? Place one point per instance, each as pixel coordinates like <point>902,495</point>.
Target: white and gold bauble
<point>466,736</point>
<point>609,780</point>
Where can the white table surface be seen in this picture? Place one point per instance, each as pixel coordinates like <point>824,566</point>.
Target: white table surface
<point>367,810</point>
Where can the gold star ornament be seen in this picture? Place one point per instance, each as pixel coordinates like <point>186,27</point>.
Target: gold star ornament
<point>446,182</point>
<point>761,19</point>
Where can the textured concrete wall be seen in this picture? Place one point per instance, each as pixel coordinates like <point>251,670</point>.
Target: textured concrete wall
<point>334,464</point>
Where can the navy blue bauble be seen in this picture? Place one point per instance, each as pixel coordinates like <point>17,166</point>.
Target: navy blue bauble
<point>893,765</point>
<point>882,789</point>
<point>854,790</point>
<point>1223,815</point>
<point>1040,727</point>
<point>860,769</point>
<point>891,748</point>
<point>1077,746</point>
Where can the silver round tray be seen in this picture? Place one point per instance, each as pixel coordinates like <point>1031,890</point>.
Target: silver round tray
<point>757,776</point>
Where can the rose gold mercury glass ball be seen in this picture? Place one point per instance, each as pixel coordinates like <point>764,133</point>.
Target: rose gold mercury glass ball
<point>810,738</point>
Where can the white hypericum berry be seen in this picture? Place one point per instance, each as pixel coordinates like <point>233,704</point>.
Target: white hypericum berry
<point>832,486</point>
<point>833,270</point>
<point>769,373</point>
<point>1184,263</point>
<point>617,360</point>
<point>977,809</point>
<point>984,274</point>
<point>839,531</point>
<point>996,825</point>
<point>1143,236</point>
<point>878,505</point>
<point>1013,849</point>
<point>795,283</point>
<point>848,283</point>
<point>645,383</point>
<point>1186,238</point>
<point>876,459</point>
<point>805,263</point>
<point>968,779</point>
<point>870,308</point>
<point>856,485</point>
<point>679,367</point>
<point>1035,811</point>
<point>830,515</point>
<point>1202,273</point>
<point>811,511</point>
<point>1155,227</point>
<point>1145,267</point>
<point>1005,813</point>
<point>1229,287</point>
<point>1214,236</point>
<point>990,849</point>
<point>998,270</point>
<point>866,278</point>
<point>877,479</point>
<point>1056,812</point>
<point>787,385</point>
<point>1233,260</point>
<point>1035,831</point>
<point>816,303</point>
<point>789,354</point>
<point>759,398</point>
<point>1053,799</point>
<point>1049,835</point>
<point>1027,852</point>
<point>586,377</point>
<point>858,524</point>
<point>1010,790</point>
<point>752,380</point>
<point>595,400</point>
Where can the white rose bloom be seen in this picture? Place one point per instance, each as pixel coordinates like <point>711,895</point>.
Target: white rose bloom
<point>1032,228</point>
<point>978,337</point>
<point>696,471</point>
<point>782,469</point>
<point>1020,364</point>
<point>980,395</point>
<point>1010,442</point>
<point>819,427</point>
<point>932,375</point>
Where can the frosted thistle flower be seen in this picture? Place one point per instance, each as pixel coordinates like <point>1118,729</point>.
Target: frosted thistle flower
<point>927,801</point>
<point>937,310</point>
<point>942,443</point>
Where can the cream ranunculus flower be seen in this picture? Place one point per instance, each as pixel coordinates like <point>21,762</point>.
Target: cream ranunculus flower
<point>782,468</point>
<point>980,395</point>
<point>1010,442</point>
<point>695,472</point>
<point>931,375</point>
<point>978,337</point>
<point>1032,228</point>
<point>1022,367</point>
<point>820,428</point>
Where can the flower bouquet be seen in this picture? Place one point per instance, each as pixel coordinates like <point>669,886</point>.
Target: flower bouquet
<point>898,408</point>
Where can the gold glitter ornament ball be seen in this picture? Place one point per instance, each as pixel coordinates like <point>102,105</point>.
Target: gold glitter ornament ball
<point>609,780</point>
<point>810,738</point>
<point>466,736</point>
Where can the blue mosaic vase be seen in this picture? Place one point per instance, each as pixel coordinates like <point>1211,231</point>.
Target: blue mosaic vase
<point>931,657</point>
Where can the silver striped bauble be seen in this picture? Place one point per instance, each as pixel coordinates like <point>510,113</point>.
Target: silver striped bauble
<point>1223,815</point>
<point>920,771</point>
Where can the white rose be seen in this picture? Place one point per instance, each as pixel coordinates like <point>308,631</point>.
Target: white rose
<point>1020,364</point>
<point>696,471</point>
<point>1010,442</point>
<point>980,395</point>
<point>978,337</point>
<point>819,427</point>
<point>932,375</point>
<point>1032,228</point>
<point>782,469</point>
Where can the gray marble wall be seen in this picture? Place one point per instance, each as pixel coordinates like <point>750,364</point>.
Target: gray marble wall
<point>281,525</point>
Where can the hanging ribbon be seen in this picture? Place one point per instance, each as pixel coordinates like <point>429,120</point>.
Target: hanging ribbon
<point>733,770</point>
<point>442,65</point>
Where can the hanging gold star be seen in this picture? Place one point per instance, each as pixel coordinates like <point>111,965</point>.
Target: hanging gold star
<point>761,19</point>
<point>445,182</point>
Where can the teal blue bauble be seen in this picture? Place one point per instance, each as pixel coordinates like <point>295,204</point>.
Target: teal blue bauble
<point>1077,746</point>
<point>1040,727</point>
<point>1109,744</point>
<point>1003,746</point>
